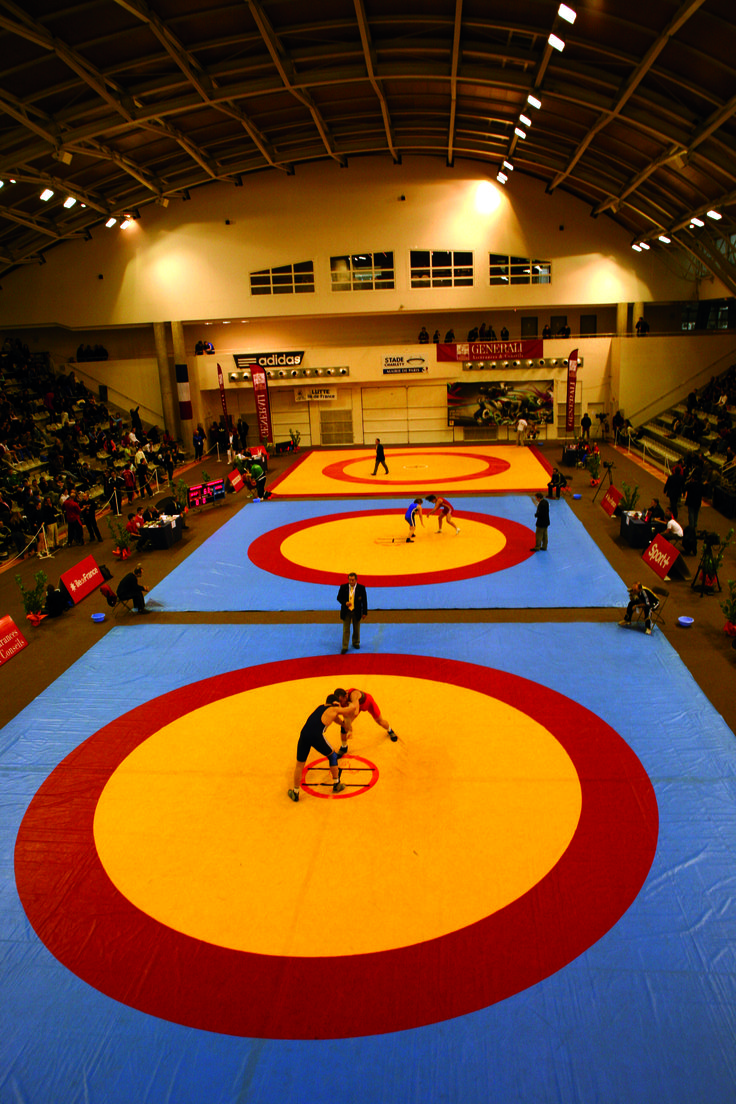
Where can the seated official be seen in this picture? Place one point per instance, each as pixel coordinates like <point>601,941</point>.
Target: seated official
<point>56,603</point>
<point>655,512</point>
<point>556,484</point>
<point>643,598</point>
<point>673,531</point>
<point>131,589</point>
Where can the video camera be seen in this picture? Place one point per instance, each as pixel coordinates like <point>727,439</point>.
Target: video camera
<point>608,464</point>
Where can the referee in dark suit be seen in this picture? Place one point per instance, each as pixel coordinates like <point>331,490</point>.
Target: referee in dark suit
<point>353,609</point>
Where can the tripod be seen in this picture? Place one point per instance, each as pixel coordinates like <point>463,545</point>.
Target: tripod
<point>603,481</point>
<point>708,572</point>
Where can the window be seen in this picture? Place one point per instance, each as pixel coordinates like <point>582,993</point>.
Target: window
<point>503,269</point>
<point>441,268</point>
<point>284,280</point>
<point>362,272</point>
<point>588,325</point>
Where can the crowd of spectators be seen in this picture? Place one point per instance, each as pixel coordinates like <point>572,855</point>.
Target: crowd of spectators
<point>485,333</point>
<point>63,454</point>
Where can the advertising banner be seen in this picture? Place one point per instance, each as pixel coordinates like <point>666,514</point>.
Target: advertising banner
<point>183,392</point>
<point>223,399</point>
<point>610,500</point>
<point>236,480</point>
<point>81,580</point>
<point>491,350</point>
<point>263,405</point>
<point>499,403</point>
<point>269,360</point>
<point>12,639</point>
<point>660,556</point>
<point>572,383</point>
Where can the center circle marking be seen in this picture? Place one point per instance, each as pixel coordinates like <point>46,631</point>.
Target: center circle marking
<point>487,544</point>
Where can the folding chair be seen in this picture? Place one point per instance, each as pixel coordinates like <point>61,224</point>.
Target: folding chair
<point>655,615</point>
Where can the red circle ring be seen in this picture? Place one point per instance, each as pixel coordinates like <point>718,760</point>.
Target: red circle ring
<point>265,552</point>
<point>338,797</point>
<point>98,934</point>
<point>493,466</point>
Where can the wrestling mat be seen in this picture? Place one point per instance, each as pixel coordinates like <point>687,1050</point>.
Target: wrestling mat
<point>416,471</point>
<point>535,878</point>
<point>294,556</point>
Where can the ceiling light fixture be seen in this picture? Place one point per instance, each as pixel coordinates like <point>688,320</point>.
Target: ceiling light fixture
<point>556,43</point>
<point>533,101</point>
<point>521,133</point>
<point>567,13</point>
<point>636,248</point>
<point>665,239</point>
<point>644,245</point>
<point>695,221</point>
<point>126,223</point>
<point>714,215</point>
<point>508,165</point>
<point>69,202</point>
<point>502,177</point>
<point>46,194</point>
<point>110,222</point>
<point>525,120</point>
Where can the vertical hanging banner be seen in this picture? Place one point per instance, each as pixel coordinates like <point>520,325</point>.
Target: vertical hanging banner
<point>183,392</point>
<point>572,382</point>
<point>223,398</point>
<point>263,406</point>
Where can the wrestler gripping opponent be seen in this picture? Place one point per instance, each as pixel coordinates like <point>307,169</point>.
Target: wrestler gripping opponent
<point>313,736</point>
<point>362,703</point>
<point>413,512</point>
<point>443,511</point>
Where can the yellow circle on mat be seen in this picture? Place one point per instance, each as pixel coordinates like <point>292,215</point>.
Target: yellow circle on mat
<point>473,806</point>
<point>376,545</point>
<point>422,469</point>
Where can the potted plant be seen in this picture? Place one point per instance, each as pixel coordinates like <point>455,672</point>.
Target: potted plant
<point>296,437</point>
<point>33,600</point>
<point>121,536</point>
<point>629,498</point>
<point>593,465</point>
<point>728,605</point>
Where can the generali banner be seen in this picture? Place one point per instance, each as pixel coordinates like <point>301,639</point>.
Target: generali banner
<point>660,555</point>
<point>572,382</point>
<point>263,405</point>
<point>491,350</point>
<point>12,639</point>
<point>81,580</point>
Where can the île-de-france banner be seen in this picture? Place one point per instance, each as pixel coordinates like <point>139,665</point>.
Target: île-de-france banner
<point>660,556</point>
<point>223,399</point>
<point>491,350</point>
<point>236,480</point>
<point>263,405</point>
<point>12,639</point>
<point>572,383</point>
<point>82,579</point>
<point>610,500</point>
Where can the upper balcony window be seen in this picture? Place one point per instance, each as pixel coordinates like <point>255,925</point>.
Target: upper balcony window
<point>362,272</point>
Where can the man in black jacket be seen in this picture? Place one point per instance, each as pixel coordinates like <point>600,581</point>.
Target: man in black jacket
<point>353,609</point>
<point>542,518</point>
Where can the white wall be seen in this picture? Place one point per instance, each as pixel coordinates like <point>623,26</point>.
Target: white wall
<point>185,263</point>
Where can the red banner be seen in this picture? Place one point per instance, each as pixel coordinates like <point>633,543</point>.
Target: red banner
<point>81,580</point>
<point>223,399</point>
<point>660,556</point>
<point>263,406</point>
<point>12,639</point>
<point>491,350</point>
<point>572,383</point>
<point>610,500</point>
<point>236,480</point>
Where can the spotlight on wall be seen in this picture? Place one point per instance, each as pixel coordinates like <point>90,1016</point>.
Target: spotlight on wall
<point>541,363</point>
<point>328,372</point>
<point>492,364</point>
<point>564,364</point>
<point>516,364</point>
<point>282,374</point>
<point>294,372</point>
<point>344,372</point>
<point>269,374</point>
<point>246,377</point>
<point>307,371</point>
<point>234,377</point>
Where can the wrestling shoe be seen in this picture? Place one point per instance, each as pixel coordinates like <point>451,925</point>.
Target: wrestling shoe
<point>294,795</point>
<point>338,786</point>
<point>624,624</point>
<point>647,632</point>
<point>342,751</point>
<point>392,735</point>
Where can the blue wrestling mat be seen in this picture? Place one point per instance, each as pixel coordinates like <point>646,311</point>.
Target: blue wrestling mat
<point>294,555</point>
<point>645,1012</point>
